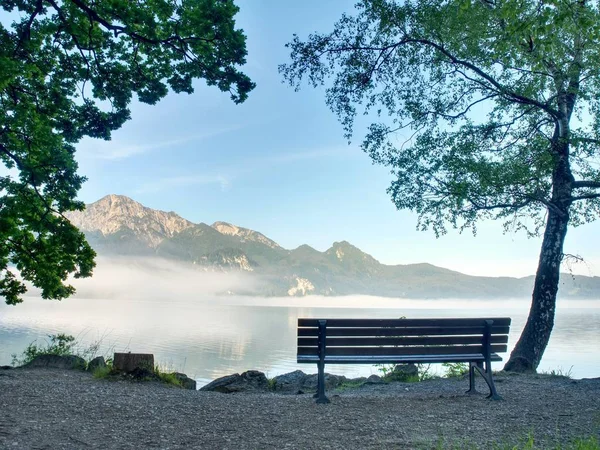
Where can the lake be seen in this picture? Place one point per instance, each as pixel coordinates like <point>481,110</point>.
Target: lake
<point>214,336</point>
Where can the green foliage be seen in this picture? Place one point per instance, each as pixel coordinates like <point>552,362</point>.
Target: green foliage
<point>166,377</point>
<point>58,344</point>
<point>455,370</point>
<point>559,373</point>
<point>70,69</point>
<point>482,110</point>
<point>474,92</point>
<point>528,442</point>
<point>350,384</point>
<point>103,372</point>
<point>389,374</point>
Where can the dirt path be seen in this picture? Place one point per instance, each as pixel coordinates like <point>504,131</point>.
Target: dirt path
<point>55,409</point>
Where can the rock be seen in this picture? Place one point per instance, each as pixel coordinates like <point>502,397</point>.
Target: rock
<point>374,379</point>
<point>186,382</point>
<point>404,372</point>
<point>331,382</point>
<point>57,362</point>
<point>96,363</point>
<point>289,382</point>
<point>252,380</point>
<point>6,367</point>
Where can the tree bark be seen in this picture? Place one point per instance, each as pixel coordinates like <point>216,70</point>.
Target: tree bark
<point>528,352</point>
<point>130,362</point>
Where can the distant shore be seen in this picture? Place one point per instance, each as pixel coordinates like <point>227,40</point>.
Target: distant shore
<point>60,409</point>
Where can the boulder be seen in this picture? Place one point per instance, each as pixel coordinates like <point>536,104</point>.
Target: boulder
<point>374,379</point>
<point>250,381</point>
<point>96,363</point>
<point>331,382</point>
<point>289,383</point>
<point>57,362</point>
<point>186,382</point>
<point>404,372</point>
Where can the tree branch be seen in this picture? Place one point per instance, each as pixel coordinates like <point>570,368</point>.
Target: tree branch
<point>586,184</point>
<point>586,197</point>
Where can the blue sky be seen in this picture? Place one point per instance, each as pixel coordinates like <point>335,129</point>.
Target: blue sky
<point>279,164</point>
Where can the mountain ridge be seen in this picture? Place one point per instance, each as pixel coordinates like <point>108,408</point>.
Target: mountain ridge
<point>118,225</point>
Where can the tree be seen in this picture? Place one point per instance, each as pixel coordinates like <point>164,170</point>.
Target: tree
<point>69,69</point>
<point>488,109</point>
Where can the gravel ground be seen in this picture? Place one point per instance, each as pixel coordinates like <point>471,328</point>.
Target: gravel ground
<point>56,409</point>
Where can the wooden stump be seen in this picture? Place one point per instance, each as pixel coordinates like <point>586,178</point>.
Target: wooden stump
<point>129,362</point>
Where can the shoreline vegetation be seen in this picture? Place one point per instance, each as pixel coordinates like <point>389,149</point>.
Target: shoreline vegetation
<point>405,407</point>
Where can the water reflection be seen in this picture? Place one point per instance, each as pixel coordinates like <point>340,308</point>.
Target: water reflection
<point>213,337</point>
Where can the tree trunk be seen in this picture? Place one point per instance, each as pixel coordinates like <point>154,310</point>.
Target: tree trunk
<point>130,362</point>
<point>527,354</point>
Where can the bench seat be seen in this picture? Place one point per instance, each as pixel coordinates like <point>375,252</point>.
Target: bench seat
<point>395,359</point>
<point>476,341</point>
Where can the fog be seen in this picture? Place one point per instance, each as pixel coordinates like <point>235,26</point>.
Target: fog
<point>186,318</point>
<point>158,279</point>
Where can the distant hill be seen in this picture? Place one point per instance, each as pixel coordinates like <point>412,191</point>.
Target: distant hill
<point>117,225</point>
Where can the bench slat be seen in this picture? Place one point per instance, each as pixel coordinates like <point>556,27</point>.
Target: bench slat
<point>430,350</point>
<point>422,340</point>
<point>355,323</point>
<point>383,359</point>
<point>425,331</point>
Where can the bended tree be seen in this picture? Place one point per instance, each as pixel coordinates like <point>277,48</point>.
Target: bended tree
<point>69,69</point>
<point>487,109</point>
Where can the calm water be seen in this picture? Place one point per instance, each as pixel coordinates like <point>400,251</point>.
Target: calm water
<point>218,336</point>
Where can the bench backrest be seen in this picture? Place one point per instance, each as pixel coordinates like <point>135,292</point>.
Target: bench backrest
<point>348,337</point>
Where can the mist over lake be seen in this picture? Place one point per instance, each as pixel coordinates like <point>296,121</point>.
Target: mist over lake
<point>208,336</point>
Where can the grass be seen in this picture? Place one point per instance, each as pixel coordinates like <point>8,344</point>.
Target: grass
<point>526,443</point>
<point>65,345</point>
<point>346,385</point>
<point>559,373</point>
<point>103,372</point>
<point>166,377</point>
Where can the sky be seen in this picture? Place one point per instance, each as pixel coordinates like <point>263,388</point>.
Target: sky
<point>279,164</point>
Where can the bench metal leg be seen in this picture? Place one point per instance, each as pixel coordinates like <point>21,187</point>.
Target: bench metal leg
<point>472,390</point>
<point>487,376</point>
<point>320,395</point>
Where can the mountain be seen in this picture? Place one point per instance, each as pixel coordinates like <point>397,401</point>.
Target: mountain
<point>119,226</point>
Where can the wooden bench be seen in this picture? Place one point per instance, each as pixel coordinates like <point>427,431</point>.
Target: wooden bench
<point>395,341</point>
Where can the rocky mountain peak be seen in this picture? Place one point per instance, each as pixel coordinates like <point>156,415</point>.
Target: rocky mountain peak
<point>344,251</point>
<point>113,213</point>
<point>244,233</point>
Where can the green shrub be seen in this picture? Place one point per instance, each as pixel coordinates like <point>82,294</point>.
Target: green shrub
<point>59,344</point>
<point>455,370</point>
<point>103,372</point>
<point>166,377</point>
<point>389,374</point>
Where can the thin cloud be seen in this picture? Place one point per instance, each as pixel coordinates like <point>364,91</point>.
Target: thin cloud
<point>240,169</point>
<point>184,181</point>
<point>114,150</point>
<point>284,158</point>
